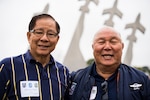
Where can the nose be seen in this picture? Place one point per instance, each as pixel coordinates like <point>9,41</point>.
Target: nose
<point>107,46</point>
<point>44,37</point>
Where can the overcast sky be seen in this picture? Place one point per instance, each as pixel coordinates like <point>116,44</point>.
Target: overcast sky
<point>16,14</point>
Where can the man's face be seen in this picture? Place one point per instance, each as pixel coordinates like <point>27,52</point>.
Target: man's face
<point>107,48</point>
<point>43,45</point>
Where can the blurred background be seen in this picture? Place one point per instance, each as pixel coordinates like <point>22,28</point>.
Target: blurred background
<point>88,14</point>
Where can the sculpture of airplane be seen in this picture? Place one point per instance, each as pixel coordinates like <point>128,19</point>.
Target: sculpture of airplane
<point>74,57</point>
<point>136,25</point>
<point>132,38</point>
<point>112,11</point>
<point>85,7</point>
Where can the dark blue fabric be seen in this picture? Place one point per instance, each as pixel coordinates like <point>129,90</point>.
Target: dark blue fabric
<point>126,84</point>
<point>6,74</point>
<point>112,85</point>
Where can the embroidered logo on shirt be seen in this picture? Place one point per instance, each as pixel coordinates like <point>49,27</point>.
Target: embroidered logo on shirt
<point>136,86</point>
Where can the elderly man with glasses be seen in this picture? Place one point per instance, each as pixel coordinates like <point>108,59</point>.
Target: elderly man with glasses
<point>35,75</point>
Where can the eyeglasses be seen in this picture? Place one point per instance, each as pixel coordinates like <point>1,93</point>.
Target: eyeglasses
<point>40,33</point>
<point>104,86</point>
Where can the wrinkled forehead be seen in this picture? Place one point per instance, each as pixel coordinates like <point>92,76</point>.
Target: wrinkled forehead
<point>107,33</point>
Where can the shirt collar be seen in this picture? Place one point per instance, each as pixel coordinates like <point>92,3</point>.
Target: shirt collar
<point>97,76</point>
<point>32,60</point>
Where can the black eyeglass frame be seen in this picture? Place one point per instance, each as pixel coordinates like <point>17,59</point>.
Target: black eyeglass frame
<point>49,34</point>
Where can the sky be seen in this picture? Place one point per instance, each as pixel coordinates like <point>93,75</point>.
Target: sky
<point>16,14</point>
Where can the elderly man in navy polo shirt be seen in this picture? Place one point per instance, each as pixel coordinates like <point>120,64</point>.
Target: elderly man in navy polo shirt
<point>35,75</point>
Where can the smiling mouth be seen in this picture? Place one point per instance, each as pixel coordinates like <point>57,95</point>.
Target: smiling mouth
<point>107,56</point>
<point>43,47</point>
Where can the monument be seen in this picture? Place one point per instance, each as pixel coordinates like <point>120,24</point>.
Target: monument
<point>74,58</point>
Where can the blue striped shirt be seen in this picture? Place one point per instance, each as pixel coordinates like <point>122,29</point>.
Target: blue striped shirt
<point>52,79</point>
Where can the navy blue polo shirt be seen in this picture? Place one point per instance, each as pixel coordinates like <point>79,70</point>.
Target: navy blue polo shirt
<point>52,79</point>
<point>112,85</point>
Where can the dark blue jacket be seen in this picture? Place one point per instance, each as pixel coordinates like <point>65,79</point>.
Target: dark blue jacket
<point>128,84</point>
